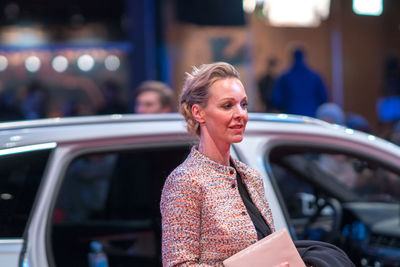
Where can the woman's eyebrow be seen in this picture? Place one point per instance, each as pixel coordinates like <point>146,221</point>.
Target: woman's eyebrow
<point>227,98</point>
<point>232,98</point>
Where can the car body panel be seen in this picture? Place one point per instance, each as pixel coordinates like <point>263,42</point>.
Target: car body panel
<point>10,251</point>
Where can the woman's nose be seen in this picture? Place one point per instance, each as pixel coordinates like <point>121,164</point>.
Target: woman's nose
<point>239,111</point>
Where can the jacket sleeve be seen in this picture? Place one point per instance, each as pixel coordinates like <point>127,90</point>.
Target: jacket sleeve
<point>181,210</point>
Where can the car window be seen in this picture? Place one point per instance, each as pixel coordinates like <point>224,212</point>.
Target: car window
<point>346,177</point>
<point>344,199</point>
<point>20,177</point>
<point>113,198</point>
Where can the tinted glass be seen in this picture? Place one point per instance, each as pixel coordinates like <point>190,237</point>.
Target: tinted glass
<point>20,177</point>
<point>113,198</point>
<point>347,200</point>
<point>348,176</point>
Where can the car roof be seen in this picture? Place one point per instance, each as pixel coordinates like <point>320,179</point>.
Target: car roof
<point>73,129</point>
<point>96,119</point>
<point>70,129</point>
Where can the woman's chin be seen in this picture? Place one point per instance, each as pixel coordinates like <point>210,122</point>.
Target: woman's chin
<point>237,139</point>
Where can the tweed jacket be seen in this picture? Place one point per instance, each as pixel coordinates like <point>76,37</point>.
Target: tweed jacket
<point>204,220</point>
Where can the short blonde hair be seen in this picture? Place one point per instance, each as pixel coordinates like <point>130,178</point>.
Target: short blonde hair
<point>196,89</point>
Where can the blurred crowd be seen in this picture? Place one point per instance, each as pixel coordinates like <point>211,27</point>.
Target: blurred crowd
<point>300,90</point>
<point>81,96</point>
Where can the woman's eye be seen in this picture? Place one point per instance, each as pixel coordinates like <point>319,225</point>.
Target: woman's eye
<point>227,105</point>
<point>245,105</point>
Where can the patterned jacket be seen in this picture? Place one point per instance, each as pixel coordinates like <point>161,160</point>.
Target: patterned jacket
<point>204,220</point>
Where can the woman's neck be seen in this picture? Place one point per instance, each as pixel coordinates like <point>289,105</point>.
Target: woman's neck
<point>219,153</point>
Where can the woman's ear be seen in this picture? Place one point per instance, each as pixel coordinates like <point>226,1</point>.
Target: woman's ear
<point>198,113</point>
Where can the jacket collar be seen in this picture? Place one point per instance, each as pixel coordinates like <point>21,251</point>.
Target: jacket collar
<point>198,157</point>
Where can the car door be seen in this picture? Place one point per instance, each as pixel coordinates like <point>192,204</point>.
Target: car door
<point>340,190</point>
<point>104,190</point>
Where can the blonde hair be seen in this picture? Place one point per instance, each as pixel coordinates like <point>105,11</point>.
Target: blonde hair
<point>196,89</point>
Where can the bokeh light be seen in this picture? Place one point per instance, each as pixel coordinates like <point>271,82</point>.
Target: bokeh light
<point>32,64</point>
<point>294,13</point>
<point>368,7</point>
<point>3,63</point>
<point>112,63</point>
<point>249,5</point>
<point>59,63</point>
<point>85,62</point>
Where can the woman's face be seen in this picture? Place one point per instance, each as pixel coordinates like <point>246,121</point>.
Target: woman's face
<point>225,116</point>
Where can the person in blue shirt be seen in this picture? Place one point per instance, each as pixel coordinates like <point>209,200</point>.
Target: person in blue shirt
<point>299,90</point>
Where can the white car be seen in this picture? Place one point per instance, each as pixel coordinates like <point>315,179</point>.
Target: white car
<point>66,183</point>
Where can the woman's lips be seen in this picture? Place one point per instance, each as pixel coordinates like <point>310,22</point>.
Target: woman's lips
<point>237,126</point>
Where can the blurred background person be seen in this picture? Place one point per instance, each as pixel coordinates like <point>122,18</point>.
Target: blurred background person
<point>266,83</point>
<point>331,112</point>
<point>299,90</point>
<point>35,100</point>
<point>153,97</point>
<point>357,122</point>
<point>9,109</point>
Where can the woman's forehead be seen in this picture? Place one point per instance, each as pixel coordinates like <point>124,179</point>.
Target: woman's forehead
<point>229,87</point>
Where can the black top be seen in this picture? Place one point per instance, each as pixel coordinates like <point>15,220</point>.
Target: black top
<point>260,224</point>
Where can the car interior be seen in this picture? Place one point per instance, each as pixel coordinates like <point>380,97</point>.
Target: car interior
<point>113,198</point>
<point>19,184</point>
<point>340,198</point>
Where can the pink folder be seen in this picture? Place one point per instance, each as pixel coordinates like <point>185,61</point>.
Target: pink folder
<point>274,250</point>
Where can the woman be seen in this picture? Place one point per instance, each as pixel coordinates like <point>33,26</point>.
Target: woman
<point>212,206</point>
